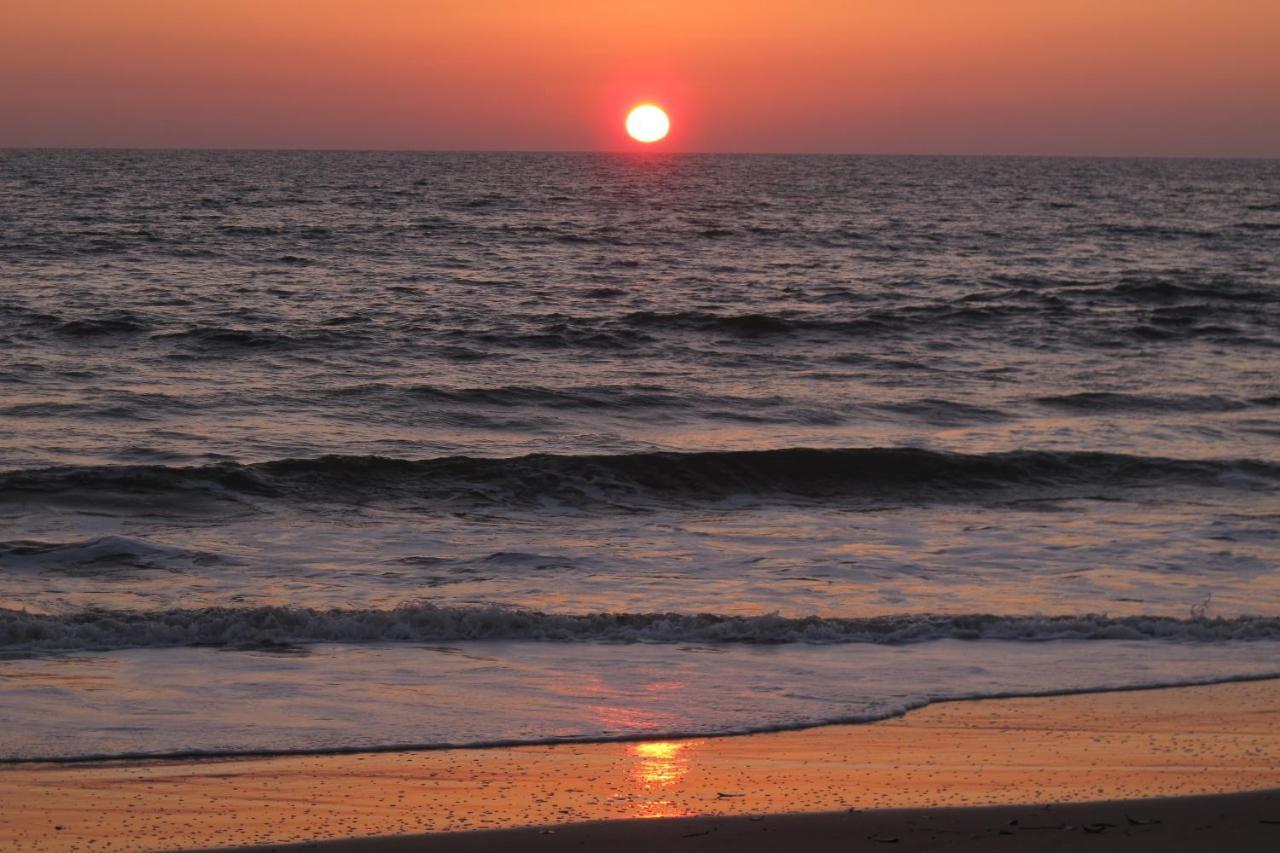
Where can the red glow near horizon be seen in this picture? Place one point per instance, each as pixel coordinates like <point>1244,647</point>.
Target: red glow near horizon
<point>984,76</point>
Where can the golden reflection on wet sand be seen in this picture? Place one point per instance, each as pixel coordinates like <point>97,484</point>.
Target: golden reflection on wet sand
<point>659,765</point>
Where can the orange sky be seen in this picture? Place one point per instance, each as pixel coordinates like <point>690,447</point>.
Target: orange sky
<point>891,76</point>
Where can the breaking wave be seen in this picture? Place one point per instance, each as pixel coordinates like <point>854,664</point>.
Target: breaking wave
<point>905,474</point>
<point>268,627</point>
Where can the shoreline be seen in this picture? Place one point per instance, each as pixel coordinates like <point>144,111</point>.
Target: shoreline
<point>104,759</point>
<point>1090,747</point>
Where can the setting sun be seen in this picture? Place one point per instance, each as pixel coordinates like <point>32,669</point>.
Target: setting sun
<point>647,123</point>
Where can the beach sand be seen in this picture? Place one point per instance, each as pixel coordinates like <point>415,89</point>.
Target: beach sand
<point>1090,748</point>
<point>1235,822</point>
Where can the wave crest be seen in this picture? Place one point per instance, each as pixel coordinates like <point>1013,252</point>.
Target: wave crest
<point>905,474</point>
<point>258,627</point>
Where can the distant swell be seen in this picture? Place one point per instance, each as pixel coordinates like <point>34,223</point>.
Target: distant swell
<point>99,555</point>
<point>274,627</point>
<point>515,396</point>
<point>875,473</point>
<point>1106,401</point>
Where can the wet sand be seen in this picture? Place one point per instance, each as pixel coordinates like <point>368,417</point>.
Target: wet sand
<point>1073,749</point>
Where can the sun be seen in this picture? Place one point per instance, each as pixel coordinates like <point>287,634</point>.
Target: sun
<point>647,123</point>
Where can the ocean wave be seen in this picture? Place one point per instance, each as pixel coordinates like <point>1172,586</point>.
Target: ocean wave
<point>1180,312</point>
<point>748,325</point>
<point>1157,309</point>
<point>116,323</point>
<point>514,396</point>
<point>1142,290</point>
<point>276,627</point>
<point>106,324</point>
<point>112,405</point>
<point>103,555</point>
<point>1146,229</point>
<point>945,412</point>
<point>1107,401</point>
<point>903,474</point>
<point>222,336</point>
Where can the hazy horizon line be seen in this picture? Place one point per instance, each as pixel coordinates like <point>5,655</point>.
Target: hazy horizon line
<point>634,152</point>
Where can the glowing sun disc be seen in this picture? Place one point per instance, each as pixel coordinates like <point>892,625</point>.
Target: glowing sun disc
<point>647,123</point>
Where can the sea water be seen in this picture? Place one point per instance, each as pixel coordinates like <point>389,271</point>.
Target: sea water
<point>322,451</point>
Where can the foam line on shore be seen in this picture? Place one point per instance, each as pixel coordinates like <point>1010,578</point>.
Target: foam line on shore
<point>507,743</point>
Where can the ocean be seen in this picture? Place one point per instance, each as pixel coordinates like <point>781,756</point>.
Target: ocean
<point>318,451</point>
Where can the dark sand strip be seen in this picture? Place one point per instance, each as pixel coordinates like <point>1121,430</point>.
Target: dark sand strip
<point>1241,823</point>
